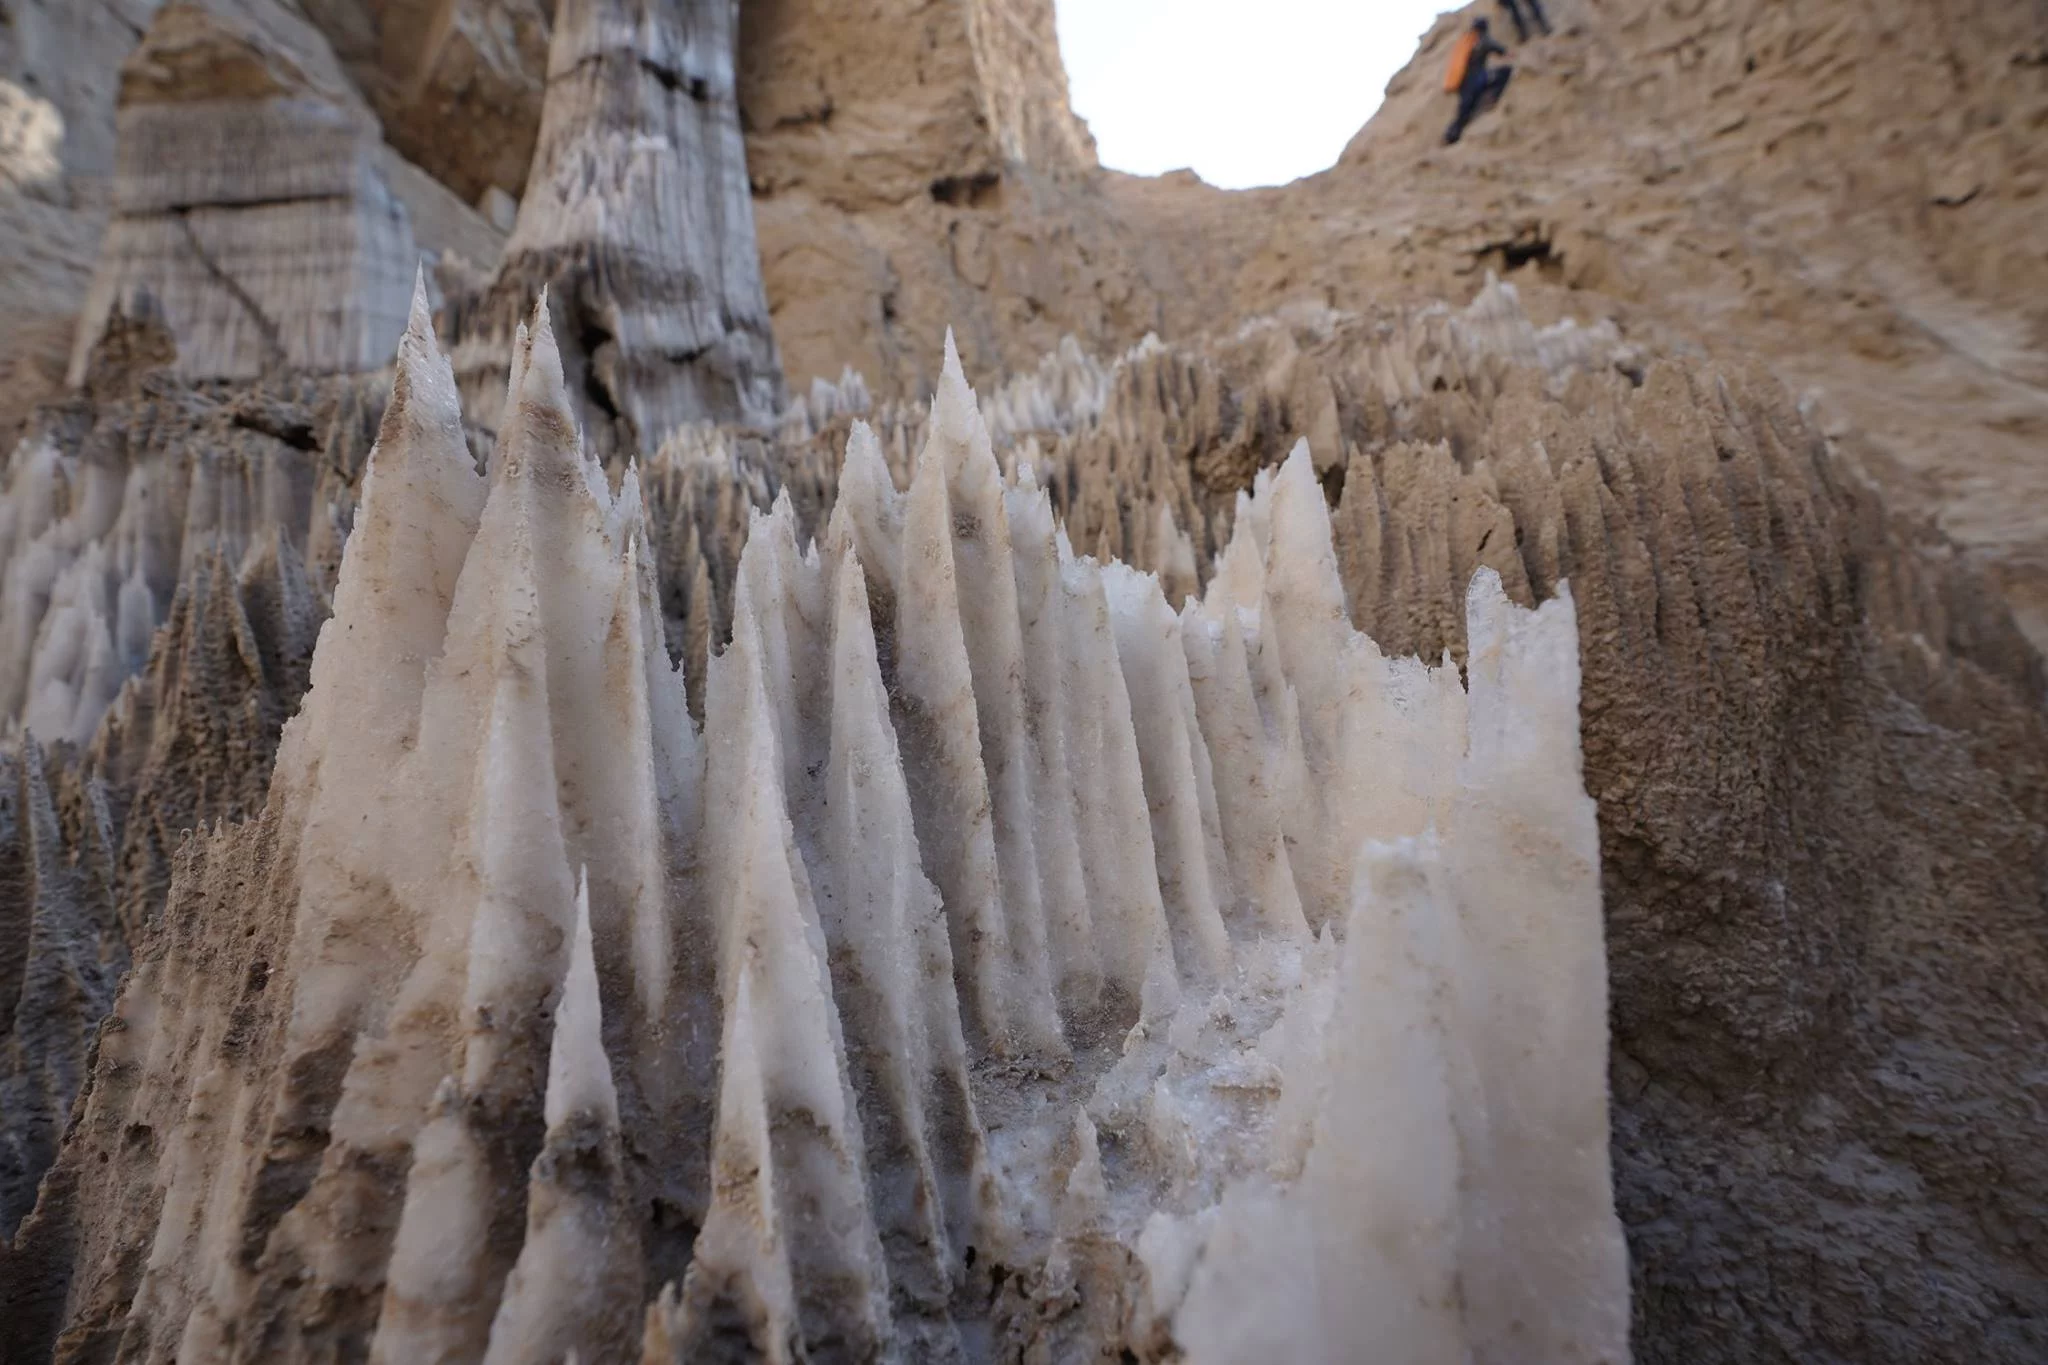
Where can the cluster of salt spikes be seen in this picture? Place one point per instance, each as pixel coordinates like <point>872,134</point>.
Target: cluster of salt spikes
<point>1065,391</point>
<point>1006,941</point>
<point>93,552</point>
<point>76,610</point>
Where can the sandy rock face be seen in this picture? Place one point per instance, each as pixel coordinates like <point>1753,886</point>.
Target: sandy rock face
<point>457,84</point>
<point>916,167</point>
<point>1847,190</point>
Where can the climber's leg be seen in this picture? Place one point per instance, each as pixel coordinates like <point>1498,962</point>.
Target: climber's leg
<point>1536,13</point>
<point>1514,9</point>
<point>1496,86</point>
<point>1469,97</point>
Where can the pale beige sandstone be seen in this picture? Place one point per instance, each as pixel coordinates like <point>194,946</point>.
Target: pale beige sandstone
<point>1848,190</point>
<point>916,167</point>
<point>457,84</point>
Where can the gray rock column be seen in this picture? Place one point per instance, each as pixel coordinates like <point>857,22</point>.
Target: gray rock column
<point>638,221</point>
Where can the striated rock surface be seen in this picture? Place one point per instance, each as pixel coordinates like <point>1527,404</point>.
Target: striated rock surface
<point>637,221</point>
<point>1852,724</point>
<point>1812,733</point>
<point>1777,668</point>
<point>61,958</point>
<point>839,1042</point>
<point>168,554</point>
<point>1804,716</point>
<point>248,209</point>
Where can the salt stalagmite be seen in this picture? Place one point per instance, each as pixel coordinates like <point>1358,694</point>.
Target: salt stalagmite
<point>1015,965</point>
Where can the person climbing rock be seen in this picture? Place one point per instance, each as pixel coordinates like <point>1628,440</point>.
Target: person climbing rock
<point>1535,8</point>
<point>1479,86</point>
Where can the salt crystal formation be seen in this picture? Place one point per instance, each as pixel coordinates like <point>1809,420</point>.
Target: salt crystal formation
<point>1011,966</point>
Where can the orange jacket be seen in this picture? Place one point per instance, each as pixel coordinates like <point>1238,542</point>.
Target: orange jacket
<point>1461,59</point>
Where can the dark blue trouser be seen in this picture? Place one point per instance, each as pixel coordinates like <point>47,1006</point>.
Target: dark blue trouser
<point>1480,91</point>
<point>1535,7</point>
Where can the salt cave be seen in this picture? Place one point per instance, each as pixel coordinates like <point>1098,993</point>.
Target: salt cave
<point>1012,966</point>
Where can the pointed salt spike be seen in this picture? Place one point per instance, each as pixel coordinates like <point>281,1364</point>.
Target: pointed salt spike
<point>420,508</point>
<point>578,1277</point>
<point>740,1268</point>
<point>773,951</point>
<point>954,415</point>
<point>579,1075</point>
<point>1087,1190</point>
<point>1173,761</point>
<point>435,1302</point>
<point>864,460</point>
<point>422,387</point>
<point>1378,1204</point>
<point>522,351</point>
<point>630,508</point>
<point>867,511</point>
<point>1524,856</point>
<point>901,1016</point>
<point>986,599</point>
<point>955,814</point>
<point>1303,554</point>
<point>520,922</point>
<point>1248,769</point>
<point>1117,852</point>
<point>636,671</point>
<point>541,381</point>
<point>1070,928</point>
<point>419,323</point>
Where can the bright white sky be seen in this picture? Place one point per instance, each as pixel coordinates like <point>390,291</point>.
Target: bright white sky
<point>1247,92</point>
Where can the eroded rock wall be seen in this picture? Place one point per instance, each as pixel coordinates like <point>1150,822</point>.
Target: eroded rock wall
<point>1846,190</point>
